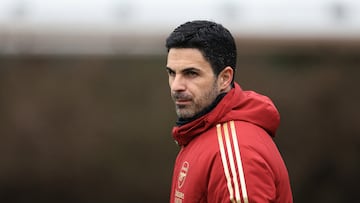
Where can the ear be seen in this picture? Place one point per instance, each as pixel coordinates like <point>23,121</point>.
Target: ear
<point>224,79</point>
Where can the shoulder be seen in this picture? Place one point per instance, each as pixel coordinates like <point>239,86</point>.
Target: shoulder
<point>243,133</point>
<point>248,141</point>
<point>248,159</point>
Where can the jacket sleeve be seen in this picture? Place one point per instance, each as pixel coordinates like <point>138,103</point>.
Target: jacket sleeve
<point>241,179</point>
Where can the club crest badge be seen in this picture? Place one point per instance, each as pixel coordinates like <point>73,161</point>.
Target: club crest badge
<point>182,174</point>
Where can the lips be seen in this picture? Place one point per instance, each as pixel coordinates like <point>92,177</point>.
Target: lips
<point>181,98</point>
<point>182,101</point>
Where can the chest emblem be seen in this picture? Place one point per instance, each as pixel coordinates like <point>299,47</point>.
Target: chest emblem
<point>182,174</point>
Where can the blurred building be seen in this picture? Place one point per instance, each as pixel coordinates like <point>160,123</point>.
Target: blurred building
<point>139,26</point>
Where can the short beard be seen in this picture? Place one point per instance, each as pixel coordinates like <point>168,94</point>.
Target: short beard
<point>203,102</point>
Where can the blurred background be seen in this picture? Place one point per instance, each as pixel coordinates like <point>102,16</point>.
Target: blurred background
<point>85,109</point>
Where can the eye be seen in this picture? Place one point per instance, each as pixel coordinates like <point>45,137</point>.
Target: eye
<point>170,72</point>
<point>191,73</point>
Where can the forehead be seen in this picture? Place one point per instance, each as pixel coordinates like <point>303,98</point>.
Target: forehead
<point>179,58</point>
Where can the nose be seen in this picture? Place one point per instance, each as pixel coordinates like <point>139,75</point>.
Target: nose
<point>177,84</point>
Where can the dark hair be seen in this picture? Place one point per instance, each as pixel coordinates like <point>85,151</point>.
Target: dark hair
<point>213,40</point>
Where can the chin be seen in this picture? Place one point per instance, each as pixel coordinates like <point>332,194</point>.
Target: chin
<point>183,115</point>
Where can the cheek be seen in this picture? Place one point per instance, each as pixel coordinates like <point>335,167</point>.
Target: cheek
<point>170,80</point>
<point>199,90</point>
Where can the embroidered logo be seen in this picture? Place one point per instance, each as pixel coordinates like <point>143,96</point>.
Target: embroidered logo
<point>182,174</point>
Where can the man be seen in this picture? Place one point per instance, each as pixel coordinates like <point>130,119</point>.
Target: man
<point>227,153</point>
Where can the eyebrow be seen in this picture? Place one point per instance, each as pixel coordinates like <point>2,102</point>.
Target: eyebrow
<point>190,69</point>
<point>185,69</point>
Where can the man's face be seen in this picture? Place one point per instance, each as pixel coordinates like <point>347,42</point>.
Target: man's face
<point>192,81</point>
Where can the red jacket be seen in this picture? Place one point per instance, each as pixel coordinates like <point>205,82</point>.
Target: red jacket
<point>228,154</point>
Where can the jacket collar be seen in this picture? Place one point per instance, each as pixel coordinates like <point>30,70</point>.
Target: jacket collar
<point>235,105</point>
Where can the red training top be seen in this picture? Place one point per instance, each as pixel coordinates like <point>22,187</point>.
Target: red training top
<point>228,154</point>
